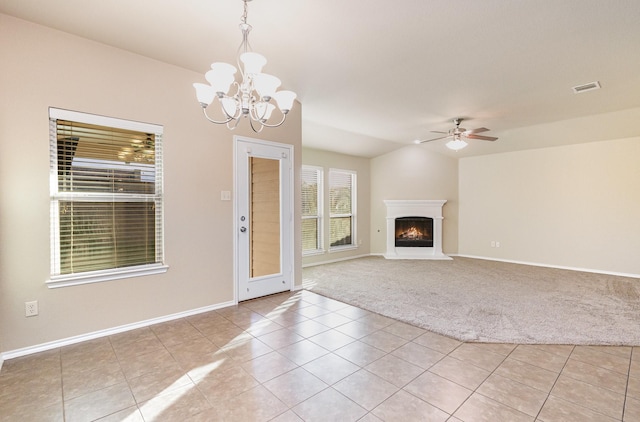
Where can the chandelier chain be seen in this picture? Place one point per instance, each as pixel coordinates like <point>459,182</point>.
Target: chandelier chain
<point>243,18</point>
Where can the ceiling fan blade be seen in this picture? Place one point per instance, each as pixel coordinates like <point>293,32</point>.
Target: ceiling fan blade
<point>434,139</point>
<point>480,129</point>
<point>437,131</point>
<point>484,138</point>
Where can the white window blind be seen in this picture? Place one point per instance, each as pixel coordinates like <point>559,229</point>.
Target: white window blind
<point>106,197</point>
<point>311,209</point>
<point>342,187</point>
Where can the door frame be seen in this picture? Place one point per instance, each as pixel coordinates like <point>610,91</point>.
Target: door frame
<point>287,208</point>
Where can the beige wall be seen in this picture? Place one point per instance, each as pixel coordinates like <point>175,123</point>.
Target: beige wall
<point>42,68</point>
<point>574,206</point>
<point>360,165</point>
<point>414,173</point>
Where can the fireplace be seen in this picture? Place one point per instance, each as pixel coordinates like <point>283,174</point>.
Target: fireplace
<point>414,229</point>
<point>414,232</point>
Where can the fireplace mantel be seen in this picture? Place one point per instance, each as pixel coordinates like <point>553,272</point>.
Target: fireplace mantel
<point>431,208</point>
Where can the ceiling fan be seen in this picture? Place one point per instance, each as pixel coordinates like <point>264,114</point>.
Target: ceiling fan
<point>458,133</point>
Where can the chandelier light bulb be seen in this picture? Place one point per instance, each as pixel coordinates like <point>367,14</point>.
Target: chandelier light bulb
<point>265,85</point>
<point>253,62</point>
<point>205,93</point>
<point>285,100</point>
<point>221,77</point>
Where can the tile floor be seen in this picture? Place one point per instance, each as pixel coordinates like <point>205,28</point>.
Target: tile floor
<point>302,357</point>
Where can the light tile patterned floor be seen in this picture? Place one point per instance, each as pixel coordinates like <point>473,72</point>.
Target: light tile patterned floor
<point>303,357</point>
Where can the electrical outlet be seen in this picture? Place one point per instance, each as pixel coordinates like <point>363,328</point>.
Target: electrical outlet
<point>31,308</point>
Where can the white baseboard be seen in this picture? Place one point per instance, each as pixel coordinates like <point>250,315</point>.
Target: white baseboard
<point>329,261</point>
<point>535,264</point>
<point>103,333</point>
<point>560,267</point>
<point>110,331</point>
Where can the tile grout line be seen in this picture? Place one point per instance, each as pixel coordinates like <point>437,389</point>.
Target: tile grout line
<point>480,385</point>
<point>64,416</point>
<point>427,370</point>
<point>385,329</point>
<point>554,383</point>
<point>626,389</point>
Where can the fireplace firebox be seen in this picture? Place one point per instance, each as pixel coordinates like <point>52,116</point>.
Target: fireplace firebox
<point>414,232</point>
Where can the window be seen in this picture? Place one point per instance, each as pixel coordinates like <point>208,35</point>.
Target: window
<point>342,208</point>
<point>106,198</point>
<point>311,210</point>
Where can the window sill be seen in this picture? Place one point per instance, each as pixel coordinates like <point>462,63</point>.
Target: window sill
<point>106,275</point>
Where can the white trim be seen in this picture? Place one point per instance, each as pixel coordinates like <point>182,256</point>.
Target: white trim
<point>313,264</point>
<point>534,264</point>
<point>287,267</point>
<point>110,331</point>
<point>95,119</point>
<point>560,267</point>
<point>431,208</point>
<point>105,275</point>
<point>63,280</point>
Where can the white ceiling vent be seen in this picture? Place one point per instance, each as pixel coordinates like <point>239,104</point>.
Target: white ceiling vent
<point>586,87</point>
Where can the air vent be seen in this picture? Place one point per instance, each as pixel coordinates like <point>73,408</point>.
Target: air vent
<point>586,87</point>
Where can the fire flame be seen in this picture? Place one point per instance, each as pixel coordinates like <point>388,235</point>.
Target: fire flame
<point>412,234</point>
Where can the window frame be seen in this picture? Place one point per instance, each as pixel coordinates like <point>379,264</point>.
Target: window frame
<point>62,280</point>
<point>352,215</point>
<point>320,211</point>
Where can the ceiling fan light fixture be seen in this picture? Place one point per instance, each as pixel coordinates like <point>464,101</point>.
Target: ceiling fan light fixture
<point>456,143</point>
<point>457,133</point>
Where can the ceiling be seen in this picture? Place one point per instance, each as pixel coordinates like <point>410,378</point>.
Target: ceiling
<point>373,76</point>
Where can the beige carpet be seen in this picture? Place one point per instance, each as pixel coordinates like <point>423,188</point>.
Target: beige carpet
<point>486,301</point>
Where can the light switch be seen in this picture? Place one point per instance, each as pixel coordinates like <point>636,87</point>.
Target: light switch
<point>225,195</point>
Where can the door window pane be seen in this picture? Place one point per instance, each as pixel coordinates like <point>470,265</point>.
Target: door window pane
<point>265,217</point>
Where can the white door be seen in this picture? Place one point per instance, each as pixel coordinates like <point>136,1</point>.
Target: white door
<point>263,217</point>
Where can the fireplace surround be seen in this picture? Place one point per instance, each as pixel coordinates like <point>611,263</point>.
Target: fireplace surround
<point>403,217</point>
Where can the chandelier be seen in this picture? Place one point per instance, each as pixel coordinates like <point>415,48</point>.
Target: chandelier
<point>252,95</point>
